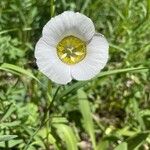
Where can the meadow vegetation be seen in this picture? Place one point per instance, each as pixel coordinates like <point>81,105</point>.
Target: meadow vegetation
<point>110,112</point>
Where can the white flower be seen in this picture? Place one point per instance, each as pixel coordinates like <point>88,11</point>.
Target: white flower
<point>70,48</point>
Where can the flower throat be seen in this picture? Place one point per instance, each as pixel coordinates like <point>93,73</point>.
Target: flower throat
<point>71,50</point>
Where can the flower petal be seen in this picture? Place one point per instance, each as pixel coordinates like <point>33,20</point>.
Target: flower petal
<point>49,63</point>
<point>95,60</point>
<point>85,26</point>
<point>58,72</point>
<point>45,52</point>
<point>68,23</point>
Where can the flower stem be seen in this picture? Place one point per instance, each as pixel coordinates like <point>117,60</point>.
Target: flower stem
<point>54,97</point>
<point>45,119</point>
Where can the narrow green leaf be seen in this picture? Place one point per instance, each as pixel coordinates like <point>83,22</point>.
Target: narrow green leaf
<point>102,145</point>
<point>7,31</point>
<point>17,69</point>
<point>145,112</point>
<point>59,120</point>
<point>137,140</point>
<point>85,5</point>
<point>118,48</point>
<point>10,124</point>
<point>122,146</point>
<point>8,70</point>
<point>112,72</point>
<point>78,85</point>
<point>125,131</point>
<point>67,135</point>
<point>7,137</point>
<point>8,112</point>
<point>119,12</point>
<point>43,133</point>
<point>11,143</point>
<point>137,113</point>
<point>72,88</point>
<point>84,107</point>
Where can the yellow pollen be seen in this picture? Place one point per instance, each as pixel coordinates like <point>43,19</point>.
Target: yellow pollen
<point>71,50</point>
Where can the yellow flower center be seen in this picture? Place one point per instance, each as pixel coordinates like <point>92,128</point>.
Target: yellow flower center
<point>71,50</point>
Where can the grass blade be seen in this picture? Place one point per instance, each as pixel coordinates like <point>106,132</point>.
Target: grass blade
<point>80,84</point>
<point>122,146</point>
<point>66,134</point>
<point>8,112</point>
<point>137,140</point>
<point>19,70</point>
<point>7,137</point>
<point>84,107</point>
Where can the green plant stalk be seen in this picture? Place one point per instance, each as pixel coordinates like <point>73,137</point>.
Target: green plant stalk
<point>52,8</point>
<point>49,91</point>
<point>46,116</point>
<point>47,128</point>
<point>45,120</point>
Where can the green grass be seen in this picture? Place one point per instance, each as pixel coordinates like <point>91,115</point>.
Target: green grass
<point>110,112</point>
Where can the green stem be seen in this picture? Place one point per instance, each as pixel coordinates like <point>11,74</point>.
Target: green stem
<point>52,7</point>
<point>47,129</point>
<point>54,97</point>
<point>44,120</point>
<point>30,140</point>
<point>48,113</point>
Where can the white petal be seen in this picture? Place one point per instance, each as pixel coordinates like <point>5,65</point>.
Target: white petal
<point>49,63</point>
<point>58,72</point>
<point>95,60</point>
<point>53,30</point>
<point>68,23</point>
<point>85,26</point>
<point>45,52</point>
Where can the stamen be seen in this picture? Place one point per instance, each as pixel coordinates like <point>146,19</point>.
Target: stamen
<point>72,58</point>
<point>64,55</point>
<point>79,53</point>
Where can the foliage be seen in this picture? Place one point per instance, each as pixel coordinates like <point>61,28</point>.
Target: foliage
<point>112,111</point>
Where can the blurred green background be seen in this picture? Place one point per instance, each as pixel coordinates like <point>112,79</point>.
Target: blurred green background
<point>111,112</point>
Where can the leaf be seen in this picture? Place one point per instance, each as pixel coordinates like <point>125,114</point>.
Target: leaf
<point>112,72</point>
<point>9,30</point>
<point>11,143</point>
<point>80,84</point>
<point>67,135</point>
<point>102,145</point>
<point>72,88</point>
<point>137,114</point>
<point>122,146</point>
<point>145,112</point>
<point>86,3</point>
<point>10,124</point>
<point>137,140</point>
<point>84,107</point>
<point>59,120</point>
<point>125,131</point>
<point>8,112</point>
<point>43,133</point>
<point>7,137</point>
<point>8,70</point>
<point>19,70</point>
